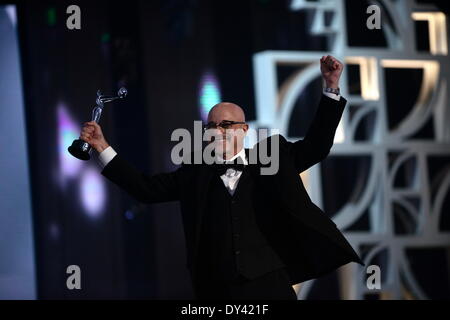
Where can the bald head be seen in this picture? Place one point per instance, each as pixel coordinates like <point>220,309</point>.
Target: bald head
<point>226,111</point>
<point>230,141</point>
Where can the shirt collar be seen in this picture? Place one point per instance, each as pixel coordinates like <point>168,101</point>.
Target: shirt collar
<point>240,154</point>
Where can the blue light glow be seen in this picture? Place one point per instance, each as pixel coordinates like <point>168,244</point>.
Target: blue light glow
<point>209,94</point>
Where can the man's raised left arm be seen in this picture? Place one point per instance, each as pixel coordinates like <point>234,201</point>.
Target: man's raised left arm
<point>319,138</point>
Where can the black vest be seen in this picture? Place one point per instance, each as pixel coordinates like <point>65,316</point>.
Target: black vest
<point>231,243</point>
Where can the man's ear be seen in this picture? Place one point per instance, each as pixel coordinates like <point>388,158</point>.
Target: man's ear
<point>245,127</point>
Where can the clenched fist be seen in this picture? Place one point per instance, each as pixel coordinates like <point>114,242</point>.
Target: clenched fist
<point>92,134</point>
<point>331,69</point>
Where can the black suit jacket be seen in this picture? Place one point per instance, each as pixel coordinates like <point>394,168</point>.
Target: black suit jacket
<point>307,241</point>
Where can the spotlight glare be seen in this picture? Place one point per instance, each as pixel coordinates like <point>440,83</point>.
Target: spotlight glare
<point>209,94</point>
<point>92,192</point>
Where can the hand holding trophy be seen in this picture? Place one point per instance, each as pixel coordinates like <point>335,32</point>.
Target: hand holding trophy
<point>80,148</point>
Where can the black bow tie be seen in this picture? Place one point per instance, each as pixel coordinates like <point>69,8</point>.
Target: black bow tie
<point>221,168</point>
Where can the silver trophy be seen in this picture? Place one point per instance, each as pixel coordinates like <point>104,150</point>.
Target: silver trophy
<point>81,149</point>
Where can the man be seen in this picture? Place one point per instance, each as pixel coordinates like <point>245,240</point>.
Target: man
<point>248,235</point>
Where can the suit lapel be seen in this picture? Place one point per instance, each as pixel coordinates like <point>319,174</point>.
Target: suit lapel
<point>203,181</point>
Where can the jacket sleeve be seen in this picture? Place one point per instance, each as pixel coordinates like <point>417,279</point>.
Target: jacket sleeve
<point>160,187</point>
<point>319,138</point>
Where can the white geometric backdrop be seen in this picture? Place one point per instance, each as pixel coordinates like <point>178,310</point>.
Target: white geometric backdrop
<point>393,152</point>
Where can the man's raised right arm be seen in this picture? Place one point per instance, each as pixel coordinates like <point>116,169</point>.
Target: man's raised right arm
<point>144,188</point>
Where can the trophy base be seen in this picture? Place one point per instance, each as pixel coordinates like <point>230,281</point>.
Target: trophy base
<point>80,149</point>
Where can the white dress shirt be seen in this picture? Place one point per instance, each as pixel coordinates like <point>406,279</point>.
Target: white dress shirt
<point>230,178</point>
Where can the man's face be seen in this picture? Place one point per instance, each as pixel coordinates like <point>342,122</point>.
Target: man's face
<point>229,140</point>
